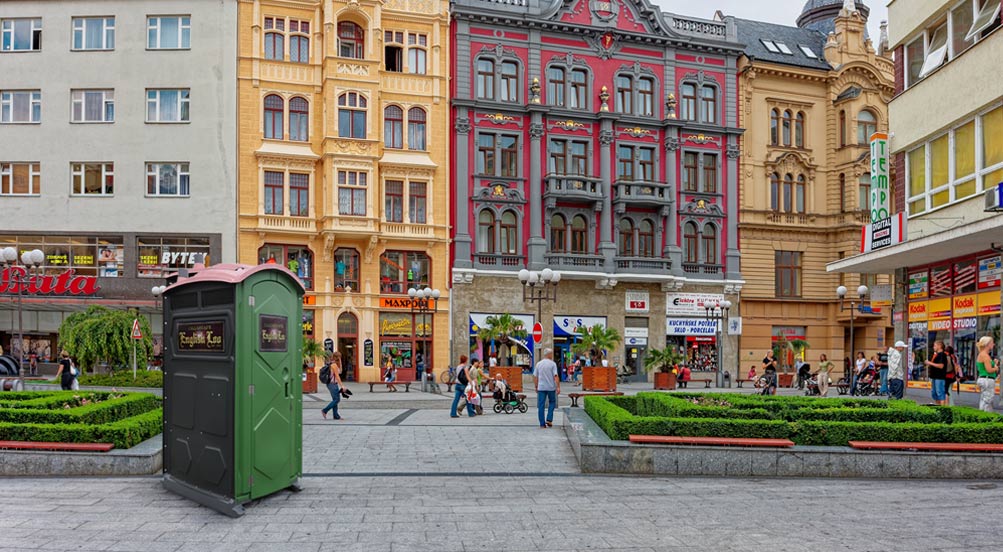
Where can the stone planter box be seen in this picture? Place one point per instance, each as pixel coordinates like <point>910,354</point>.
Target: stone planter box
<point>785,380</point>
<point>665,381</point>
<point>511,374</point>
<point>597,378</point>
<point>310,380</point>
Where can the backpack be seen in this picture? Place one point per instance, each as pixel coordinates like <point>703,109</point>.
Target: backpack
<point>461,376</point>
<point>325,374</point>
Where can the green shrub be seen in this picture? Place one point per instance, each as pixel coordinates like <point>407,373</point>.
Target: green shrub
<point>123,378</point>
<point>123,433</point>
<point>102,412</point>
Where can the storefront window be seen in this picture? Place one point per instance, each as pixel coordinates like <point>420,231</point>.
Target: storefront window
<point>400,270</point>
<point>346,268</point>
<point>297,259</point>
<point>308,317</point>
<point>88,256</point>
<point>158,257</point>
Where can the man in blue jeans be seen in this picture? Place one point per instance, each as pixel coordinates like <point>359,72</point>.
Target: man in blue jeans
<point>460,387</point>
<point>547,381</point>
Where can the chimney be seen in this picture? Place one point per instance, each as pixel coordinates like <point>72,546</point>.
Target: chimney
<point>883,40</point>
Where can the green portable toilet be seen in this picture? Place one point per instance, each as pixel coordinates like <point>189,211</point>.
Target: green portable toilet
<point>233,416</point>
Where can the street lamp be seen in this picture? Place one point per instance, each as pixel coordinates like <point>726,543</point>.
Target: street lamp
<point>718,312</point>
<point>539,287</point>
<point>861,294</point>
<point>423,301</point>
<point>21,277</point>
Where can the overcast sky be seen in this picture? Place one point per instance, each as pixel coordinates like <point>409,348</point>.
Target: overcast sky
<point>784,12</point>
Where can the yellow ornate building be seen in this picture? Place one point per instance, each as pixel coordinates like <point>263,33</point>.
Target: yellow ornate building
<point>342,168</point>
<point>810,97</point>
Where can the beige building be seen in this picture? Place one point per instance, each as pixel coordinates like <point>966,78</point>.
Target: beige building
<point>810,97</point>
<point>342,168</point>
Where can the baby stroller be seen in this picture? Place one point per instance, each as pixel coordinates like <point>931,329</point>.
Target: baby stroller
<point>766,383</point>
<point>508,400</point>
<point>868,382</point>
<point>811,386</point>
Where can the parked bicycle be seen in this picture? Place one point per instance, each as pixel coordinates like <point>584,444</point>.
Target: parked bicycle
<point>448,376</point>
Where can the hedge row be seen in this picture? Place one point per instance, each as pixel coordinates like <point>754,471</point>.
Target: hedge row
<point>105,411</point>
<point>125,433</point>
<point>49,399</point>
<point>123,378</point>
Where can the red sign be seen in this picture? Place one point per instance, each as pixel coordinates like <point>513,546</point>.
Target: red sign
<point>15,280</point>
<point>537,332</point>
<point>136,332</point>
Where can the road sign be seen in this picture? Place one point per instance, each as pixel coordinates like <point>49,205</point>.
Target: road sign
<point>136,332</point>
<point>537,332</point>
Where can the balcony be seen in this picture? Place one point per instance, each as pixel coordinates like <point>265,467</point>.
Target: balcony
<point>703,269</point>
<point>288,72</point>
<point>407,230</point>
<point>572,188</point>
<point>797,219</point>
<point>498,261</point>
<point>428,7</point>
<point>574,261</point>
<point>406,83</point>
<point>642,194</point>
<point>643,265</point>
<point>279,223</point>
<point>350,225</point>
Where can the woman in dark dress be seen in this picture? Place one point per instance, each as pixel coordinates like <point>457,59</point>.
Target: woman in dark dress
<point>770,372</point>
<point>65,374</point>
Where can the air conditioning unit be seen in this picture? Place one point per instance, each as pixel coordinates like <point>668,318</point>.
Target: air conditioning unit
<point>994,198</point>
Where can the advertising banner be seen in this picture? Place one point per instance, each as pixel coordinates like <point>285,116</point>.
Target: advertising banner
<point>690,326</point>
<point>683,304</point>
<point>880,196</point>
<point>917,311</point>
<point>964,306</point>
<point>919,285</point>
<point>990,269</point>
<point>939,309</point>
<point>989,303</point>
<point>567,326</point>
<point>636,301</point>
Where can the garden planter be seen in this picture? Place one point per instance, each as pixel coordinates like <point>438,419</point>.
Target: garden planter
<point>511,374</point>
<point>665,381</point>
<point>597,378</point>
<point>785,380</point>
<point>310,380</point>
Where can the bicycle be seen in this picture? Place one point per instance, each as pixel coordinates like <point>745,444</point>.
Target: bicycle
<point>448,376</point>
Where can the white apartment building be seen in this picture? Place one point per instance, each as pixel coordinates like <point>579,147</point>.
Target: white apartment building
<point>117,150</point>
<point>946,123</point>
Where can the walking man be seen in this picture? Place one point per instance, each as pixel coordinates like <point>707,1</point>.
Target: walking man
<point>896,371</point>
<point>548,385</point>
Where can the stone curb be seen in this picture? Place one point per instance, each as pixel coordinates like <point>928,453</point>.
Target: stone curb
<point>143,459</point>
<point>597,453</point>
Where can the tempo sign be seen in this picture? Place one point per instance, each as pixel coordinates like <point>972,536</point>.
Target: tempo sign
<point>880,200</point>
<point>883,233</point>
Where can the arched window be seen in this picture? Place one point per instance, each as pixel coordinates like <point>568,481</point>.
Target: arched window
<point>485,79</point>
<point>624,94</point>
<point>646,239</point>
<point>708,104</point>
<point>709,239</point>
<point>579,89</point>
<point>799,195</point>
<point>393,127</point>
<point>348,324</point>
<point>558,234</point>
<point>555,86</point>
<point>299,119</point>
<point>486,232</point>
<point>867,124</point>
<point>352,115</point>
<point>690,242</point>
<point>626,238</point>
<point>299,44</point>
<point>775,127</point>
<point>351,40</point>
<point>275,38</point>
<point>416,53</point>
<point>799,130</point>
<point>864,192</point>
<point>688,102</point>
<point>273,116</point>
<point>645,97</point>
<point>579,235</point>
<point>775,191</point>
<point>788,192</point>
<point>416,129</point>
<point>787,127</point>
<point>509,81</point>
<point>509,234</point>
<point>346,268</point>
<point>842,128</point>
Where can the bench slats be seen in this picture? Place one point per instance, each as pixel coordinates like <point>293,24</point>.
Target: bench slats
<point>947,447</point>
<point>719,441</point>
<point>64,447</point>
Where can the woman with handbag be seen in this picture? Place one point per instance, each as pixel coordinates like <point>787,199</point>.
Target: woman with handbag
<point>988,370</point>
<point>333,376</point>
<point>66,373</point>
<point>953,374</point>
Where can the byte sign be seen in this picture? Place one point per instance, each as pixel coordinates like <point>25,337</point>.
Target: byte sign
<point>637,304</point>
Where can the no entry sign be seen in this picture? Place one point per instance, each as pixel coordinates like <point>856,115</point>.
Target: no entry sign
<point>537,332</point>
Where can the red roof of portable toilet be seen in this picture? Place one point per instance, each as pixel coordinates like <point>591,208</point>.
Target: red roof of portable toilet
<point>232,274</point>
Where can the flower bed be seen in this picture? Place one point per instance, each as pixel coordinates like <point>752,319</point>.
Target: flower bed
<point>125,419</point>
<point>806,421</point>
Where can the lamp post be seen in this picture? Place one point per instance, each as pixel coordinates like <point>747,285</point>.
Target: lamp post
<point>861,294</point>
<point>718,312</point>
<point>21,277</point>
<point>539,287</point>
<point>424,301</point>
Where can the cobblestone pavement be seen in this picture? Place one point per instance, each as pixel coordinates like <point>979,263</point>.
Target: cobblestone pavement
<point>414,480</point>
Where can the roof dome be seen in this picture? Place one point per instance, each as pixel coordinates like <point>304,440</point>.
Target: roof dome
<point>820,15</point>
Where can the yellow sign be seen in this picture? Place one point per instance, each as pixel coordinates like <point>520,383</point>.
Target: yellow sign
<point>917,312</point>
<point>939,309</point>
<point>965,306</point>
<point>406,303</point>
<point>989,303</point>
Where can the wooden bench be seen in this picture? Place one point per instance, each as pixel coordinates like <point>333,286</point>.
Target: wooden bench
<point>575,396</point>
<point>406,384</point>
<point>937,447</point>
<point>706,382</point>
<point>62,447</point>
<point>843,388</point>
<point>716,441</point>
<point>740,381</point>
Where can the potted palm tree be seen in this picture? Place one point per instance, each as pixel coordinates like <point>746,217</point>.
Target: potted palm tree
<point>664,363</point>
<point>503,329</point>
<point>596,342</point>
<point>311,350</point>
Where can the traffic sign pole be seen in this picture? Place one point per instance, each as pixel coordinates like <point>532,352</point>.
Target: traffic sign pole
<point>136,335</point>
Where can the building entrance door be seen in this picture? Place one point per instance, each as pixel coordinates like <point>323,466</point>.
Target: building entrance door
<point>635,362</point>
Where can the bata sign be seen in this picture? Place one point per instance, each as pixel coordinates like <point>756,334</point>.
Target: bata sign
<point>15,279</point>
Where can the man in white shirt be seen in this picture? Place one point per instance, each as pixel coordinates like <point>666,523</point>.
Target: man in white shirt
<point>548,386</point>
<point>896,371</point>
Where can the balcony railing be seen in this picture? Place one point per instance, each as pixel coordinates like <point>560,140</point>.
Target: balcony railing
<point>350,224</point>
<point>287,224</point>
<point>499,261</point>
<point>406,83</point>
<point>406,229</point>
<point>651,194</point>
<point>701,268</point>
<point>573,187</point>
<point>777,217</point>
<point>645,265</point>
<point>575,261</point>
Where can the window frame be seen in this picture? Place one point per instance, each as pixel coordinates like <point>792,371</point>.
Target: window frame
<point>393,50</point>
<point>393,127</point>
<point>691,242</point>
<point>417,201</point>
<point>688,102</point>
<point>301,118</point>
<point>183,105</point>
<point>82,29</point>
<point>558,239</point>
<point>578,90</point>
<point>352,267</point>
<point>273,118</point>
<point>487,242</point>
<point>419,46</point>
<point>788,269</point>
<point>579,236</point>
<point>625,233</point>
<point>506,161</point>
<point>357,42</point>
<point>107,101</point>
<point>393,200</point>
<point>182,27</point>
<point>709,243</point>
<point>863,136</point>
<point>273,190</point>
<point>407,259</point>
<point>299,205</point>
<point>79,170</point>
<point>360,184</point>
<point>642,170</point>
<point>361,107</point>
<point>709,106</point>
<point>307,280</point>
<point>509,83</point>
<point>7,35</point>
<point>646,239</point>
<point>183,170</point>
<point>557,87</point>
<point>8,100</point>
<point>417,127</point>
<point>7,174</point>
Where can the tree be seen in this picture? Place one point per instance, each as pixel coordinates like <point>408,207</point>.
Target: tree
<point>662,360</point>
<point>503,329</point>
<point>103,335</point>
<point>311,350</point>
<point>595,341</point>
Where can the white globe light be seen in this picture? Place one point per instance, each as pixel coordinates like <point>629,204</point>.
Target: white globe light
<point>427,292</point>
<point>26,257</point>
<point>411,292</point>
<point>37,257</point>
<point>841,292</point>
<point>436,293</point>
<point>726,304</point>
<point>557,277</point>
<point>534,277</point>
<point>9,254</point>
<point>546,274</point>
<point>523,275</point>
<point>862,291</point>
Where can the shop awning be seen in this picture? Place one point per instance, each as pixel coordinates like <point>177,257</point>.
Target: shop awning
<point>956,242</point>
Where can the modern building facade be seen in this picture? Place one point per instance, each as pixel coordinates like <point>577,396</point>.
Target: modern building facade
<point>116,160</point>
<point>343,149</point>
<point>947,151</point>
<point>599,139</point>
<point>811,96</point>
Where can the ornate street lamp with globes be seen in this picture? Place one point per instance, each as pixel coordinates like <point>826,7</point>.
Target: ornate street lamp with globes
<point>539,287</point>
<point>21,277</point>
<point>424,301</point>
<point>861,295</point>
<point>718,312</point>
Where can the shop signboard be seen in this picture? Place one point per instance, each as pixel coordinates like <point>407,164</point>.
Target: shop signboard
<point>883,233</point>
<point>939,309</point>
<point>735,325</point>
<point>918,311</point>
<point>689,304</point>
<point>406,303</point>
<point>15,280</point>
<point>635,332</point>
<point>965,305</point>
<point>636,301</point>
<point>919,285</point>
<point>789,333</point>
<point>880,196</point>
<point>881,295</point>
<point>690,326</point>
<point>965,323</point>
<point>990,269</point>
<point>367,352</point>
<point>989,303</point>
<point>568,326</point>
<point>939,325</point>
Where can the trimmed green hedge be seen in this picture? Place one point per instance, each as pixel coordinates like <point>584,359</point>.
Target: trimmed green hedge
<point>805,421</point>
<point>123,378</point>
<point>125,433</point>
<point>94,413</point>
